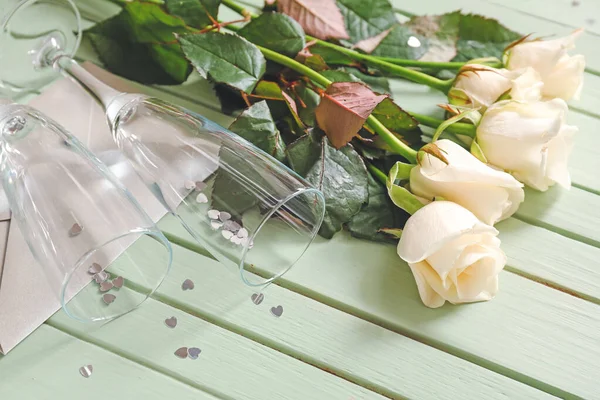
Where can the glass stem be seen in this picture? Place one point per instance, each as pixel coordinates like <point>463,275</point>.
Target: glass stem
<point>100,91</point>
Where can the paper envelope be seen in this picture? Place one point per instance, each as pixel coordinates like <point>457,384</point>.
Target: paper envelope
<point>26,300</point>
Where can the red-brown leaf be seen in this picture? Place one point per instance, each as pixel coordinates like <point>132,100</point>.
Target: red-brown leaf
<point>319,18</point>
<point>343,110</point>
<point>369,44</point>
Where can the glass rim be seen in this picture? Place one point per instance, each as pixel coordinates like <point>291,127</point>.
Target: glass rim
<point>154,233</point>
<point>265,219</point>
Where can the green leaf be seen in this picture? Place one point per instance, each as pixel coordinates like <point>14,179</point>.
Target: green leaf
<point>379,84</point>
<point>340,174</point>
<point>365,19</point>
<point>256,125</point>
<point>331,56</point>
<point>225,58</point>
<point>399,194</point>
<point>398,121</point>
<point>230,98</point>
<point>275,31</point>
<point>280,103</point>
<point>338,75</point>
<point>194,12</point>
<point>441,33</point>
<point>139,44</point>
<point>482,37</point>
<point>309,102</point>
<point>378,213</point>
<point>402,42</point>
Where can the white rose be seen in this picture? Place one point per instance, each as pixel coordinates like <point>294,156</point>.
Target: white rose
<point>529,140</point>
<point>562,74</point>
<point>490,194</point>
<point>481,85</point>
<point>453,256</point>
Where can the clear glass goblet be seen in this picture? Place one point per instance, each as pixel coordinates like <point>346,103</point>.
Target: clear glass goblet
<point>77,218</point>
<point>247,209</point>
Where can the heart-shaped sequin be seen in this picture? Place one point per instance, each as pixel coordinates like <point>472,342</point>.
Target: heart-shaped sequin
<point>189,185</point>
<point>277,311</point>
<point>94,268</point>
<point>75,230</point>
<point>201,198</point>
<point>171,322</point>
<point>257,298</point>
<point>182,352</point>
<point>101,277</point>
<point>86,371</point>
<point>194,352</point>
<point>108,298</point>
<point>224,216</point>
<point>106,286</point>
<point>199,186</point>
<point>187,284</point>
<point>118,282</point>
<point>213,214</point>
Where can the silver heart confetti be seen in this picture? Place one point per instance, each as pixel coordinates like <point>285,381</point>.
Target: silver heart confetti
<point>216,225</point>
<point>224,216</point>
<point>109,298</point>
<point>106,286</point>
<point>242,233</point>
<point>201,198</point>
<point>101,277</point>
<point>118,282</point>
<point>213,214</point>
<point>182,352</point>
<point>189,185</point>
<point>277,311</point>
<point>227,235</point>
<point>86,371</point>
<point>75,230</point>
<point>257,298</point>
<point>171,322</point>
<point>231,225</point>
<point>187,284</point>
<point>94,269</point>
<point>194,352</point>
<point>235,240</point>
<point>200,186</point>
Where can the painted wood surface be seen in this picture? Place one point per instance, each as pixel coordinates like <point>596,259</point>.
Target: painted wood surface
<point>353,326</point>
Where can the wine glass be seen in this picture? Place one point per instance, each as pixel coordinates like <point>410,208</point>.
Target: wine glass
<point>77,218</point>
<point>247,209</point>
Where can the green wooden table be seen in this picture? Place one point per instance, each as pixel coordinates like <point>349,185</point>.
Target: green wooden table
<point>353,325</point>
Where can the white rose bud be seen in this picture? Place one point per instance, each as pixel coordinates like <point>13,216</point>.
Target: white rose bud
<point>453,256</point>
<point>529,140</point>
<point>490,194</point>
<point>562,74</point>
<point>481,86</point>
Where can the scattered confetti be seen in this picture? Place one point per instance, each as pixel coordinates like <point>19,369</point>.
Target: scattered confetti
<point>277,311</point>
<point>182,352</point>
<point>232,226</point>
<point>94,269</point>
<point>187,284</point>
<point>109,298</point>
<point>189,185</point>
<point>86,371</point>
<point>101,277</point>
<point>171,322</point>
<point>199,186</point>
<point>75,230</point>
<point>106,286</point>
<point>201,198</point>
<point>224,216</point>
<point>235,240</point>
<point>193,352</point>
<point>257,298</point>
<point>118,282</point>
<point>242,233</point>
<point>227,234</point>
<point>213,214</point>
<point>216,224</point>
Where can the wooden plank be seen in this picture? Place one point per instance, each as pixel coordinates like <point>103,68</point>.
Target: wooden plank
<point>572,13</point>
<point>358,351</point>
<point>530,332</point>
<point>46,366</point>
<point>229,367</point>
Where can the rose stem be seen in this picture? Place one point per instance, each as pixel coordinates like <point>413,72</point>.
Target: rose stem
<point>458,128</point>
<point>377,173</point>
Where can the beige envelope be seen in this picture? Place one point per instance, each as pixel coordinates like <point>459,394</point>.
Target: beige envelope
<point>26,300</point>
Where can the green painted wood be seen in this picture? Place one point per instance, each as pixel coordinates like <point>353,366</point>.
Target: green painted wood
<point>229,367</point>
<point>46,366</point>
<point>359,351</point>
<point>532,333</point>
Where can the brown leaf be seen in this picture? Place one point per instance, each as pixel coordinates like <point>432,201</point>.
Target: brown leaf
<point>319,18</point>
<point>344,109</point>
<point>431,149</point>
<point>369,44</point>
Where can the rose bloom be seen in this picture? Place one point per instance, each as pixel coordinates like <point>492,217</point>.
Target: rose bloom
<point>480,86</point>
<point>529,140</point>
<point>453,256</point>
<point>561,73</point>
<point>490,194</point>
